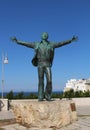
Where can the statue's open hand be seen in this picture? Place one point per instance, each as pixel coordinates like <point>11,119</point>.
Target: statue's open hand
<point>74,38</point>
<point>14,39</point>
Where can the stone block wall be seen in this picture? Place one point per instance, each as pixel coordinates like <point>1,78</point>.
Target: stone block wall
<point>3,104</point>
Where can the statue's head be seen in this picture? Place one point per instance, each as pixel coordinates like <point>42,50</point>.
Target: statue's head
<point>44,36</point>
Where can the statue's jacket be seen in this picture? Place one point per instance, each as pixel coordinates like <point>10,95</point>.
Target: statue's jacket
<point>44,54</point>
<point>44,51</point>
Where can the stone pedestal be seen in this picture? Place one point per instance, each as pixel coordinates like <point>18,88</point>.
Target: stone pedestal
<point>44,114</point>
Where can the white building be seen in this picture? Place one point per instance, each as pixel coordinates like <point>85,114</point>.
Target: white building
<point>78,85</point>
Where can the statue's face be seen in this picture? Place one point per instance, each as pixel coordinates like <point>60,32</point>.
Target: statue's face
<point>44,36</point>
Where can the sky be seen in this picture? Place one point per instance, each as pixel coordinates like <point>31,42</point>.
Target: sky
<point>27,19</point>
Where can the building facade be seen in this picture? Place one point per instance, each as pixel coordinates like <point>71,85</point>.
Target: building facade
<point>78,85</point>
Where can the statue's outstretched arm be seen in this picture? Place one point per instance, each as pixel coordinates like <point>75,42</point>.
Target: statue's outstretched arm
<point>14,39</point>
<point>65,42</point>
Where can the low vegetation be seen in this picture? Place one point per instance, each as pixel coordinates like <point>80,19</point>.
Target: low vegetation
<point>67,94</point>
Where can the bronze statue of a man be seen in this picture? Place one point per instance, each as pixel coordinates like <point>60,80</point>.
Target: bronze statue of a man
<point>44,53</point>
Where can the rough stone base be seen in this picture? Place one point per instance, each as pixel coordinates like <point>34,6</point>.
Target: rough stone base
<point>44,114</point>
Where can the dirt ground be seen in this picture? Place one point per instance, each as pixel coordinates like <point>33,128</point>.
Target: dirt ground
<point>7,122</point>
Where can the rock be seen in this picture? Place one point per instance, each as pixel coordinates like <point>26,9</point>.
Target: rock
<point>44,114</point>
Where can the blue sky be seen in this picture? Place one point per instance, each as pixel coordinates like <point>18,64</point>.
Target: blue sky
<point>27,19</point>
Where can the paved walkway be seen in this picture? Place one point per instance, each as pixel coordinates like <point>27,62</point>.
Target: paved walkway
<point>83,122</point>
<point>6,115</point>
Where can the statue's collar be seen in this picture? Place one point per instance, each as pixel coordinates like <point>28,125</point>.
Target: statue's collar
<point>46,42</point>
